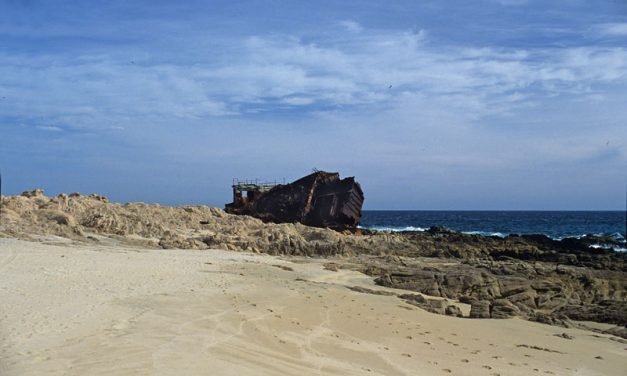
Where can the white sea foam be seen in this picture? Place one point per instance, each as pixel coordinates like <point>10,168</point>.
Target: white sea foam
<point>608,246</point>
<point>486,233</point>
<point>617,236</point>
<point>394,229</point>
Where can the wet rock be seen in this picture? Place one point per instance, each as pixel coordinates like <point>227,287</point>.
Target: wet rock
<point>439,230</point>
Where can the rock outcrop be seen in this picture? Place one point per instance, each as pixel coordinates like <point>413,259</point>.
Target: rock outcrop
<point>532,277</point>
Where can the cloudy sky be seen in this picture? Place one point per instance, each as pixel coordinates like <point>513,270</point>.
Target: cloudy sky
<point>487,104</point>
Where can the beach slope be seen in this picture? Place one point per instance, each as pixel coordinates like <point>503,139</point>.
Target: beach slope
<point>78,309</point>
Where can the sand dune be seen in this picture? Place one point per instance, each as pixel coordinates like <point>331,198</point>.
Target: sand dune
<point>71,309</point>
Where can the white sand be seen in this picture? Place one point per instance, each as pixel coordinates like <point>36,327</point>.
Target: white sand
<point>106,310</point>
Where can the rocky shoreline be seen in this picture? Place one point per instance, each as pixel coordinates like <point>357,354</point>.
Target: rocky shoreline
<point>531,276</point>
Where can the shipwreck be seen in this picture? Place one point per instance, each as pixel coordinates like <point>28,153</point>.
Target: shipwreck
<point>320,199</point>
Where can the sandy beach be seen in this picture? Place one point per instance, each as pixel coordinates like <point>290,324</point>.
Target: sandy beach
<point>77,309</point>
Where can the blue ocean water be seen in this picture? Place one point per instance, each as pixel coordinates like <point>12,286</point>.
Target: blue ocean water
<point>555,224</point>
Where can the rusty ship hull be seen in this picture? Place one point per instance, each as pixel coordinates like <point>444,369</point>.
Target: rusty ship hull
<point>320,199</point>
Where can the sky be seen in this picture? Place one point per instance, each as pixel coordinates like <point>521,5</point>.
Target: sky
<point>431,105</point>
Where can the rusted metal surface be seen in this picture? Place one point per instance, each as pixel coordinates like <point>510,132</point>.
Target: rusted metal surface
<point>320,199</point>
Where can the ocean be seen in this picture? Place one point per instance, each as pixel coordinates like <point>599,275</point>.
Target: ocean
<point>554,224</point>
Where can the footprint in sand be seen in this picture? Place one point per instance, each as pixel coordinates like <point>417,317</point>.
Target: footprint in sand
<point>447,370</point>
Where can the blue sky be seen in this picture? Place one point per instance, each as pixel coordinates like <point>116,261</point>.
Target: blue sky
<point>489,104</point>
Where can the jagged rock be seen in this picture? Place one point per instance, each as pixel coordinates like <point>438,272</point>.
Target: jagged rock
<point>557,320</point>
<point>480,309</point>
<point>513,286</point>
<point>608,311</point>
<point>547,302</point>
<point>98,197</point>
<point>524,300</point>
<point>466,299</point>
<point>439,230</point>
<point>34,193</point>
<point>504,309</point>
<point>453,310</point>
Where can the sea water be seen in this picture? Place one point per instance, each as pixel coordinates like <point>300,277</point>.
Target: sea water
<point>554,224</point>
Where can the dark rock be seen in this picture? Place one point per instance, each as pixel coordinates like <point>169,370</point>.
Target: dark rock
<point>439,230</point>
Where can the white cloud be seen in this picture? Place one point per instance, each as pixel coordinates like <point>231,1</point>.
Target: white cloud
<point>613,29</point>
<point>49,128</point>
<point>373,69</point>
<point>351,26</point>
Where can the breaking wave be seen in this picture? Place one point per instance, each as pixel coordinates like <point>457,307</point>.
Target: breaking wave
<point>394,229</point>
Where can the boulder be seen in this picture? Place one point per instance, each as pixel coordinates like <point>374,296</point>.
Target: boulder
<point>453,310</point>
